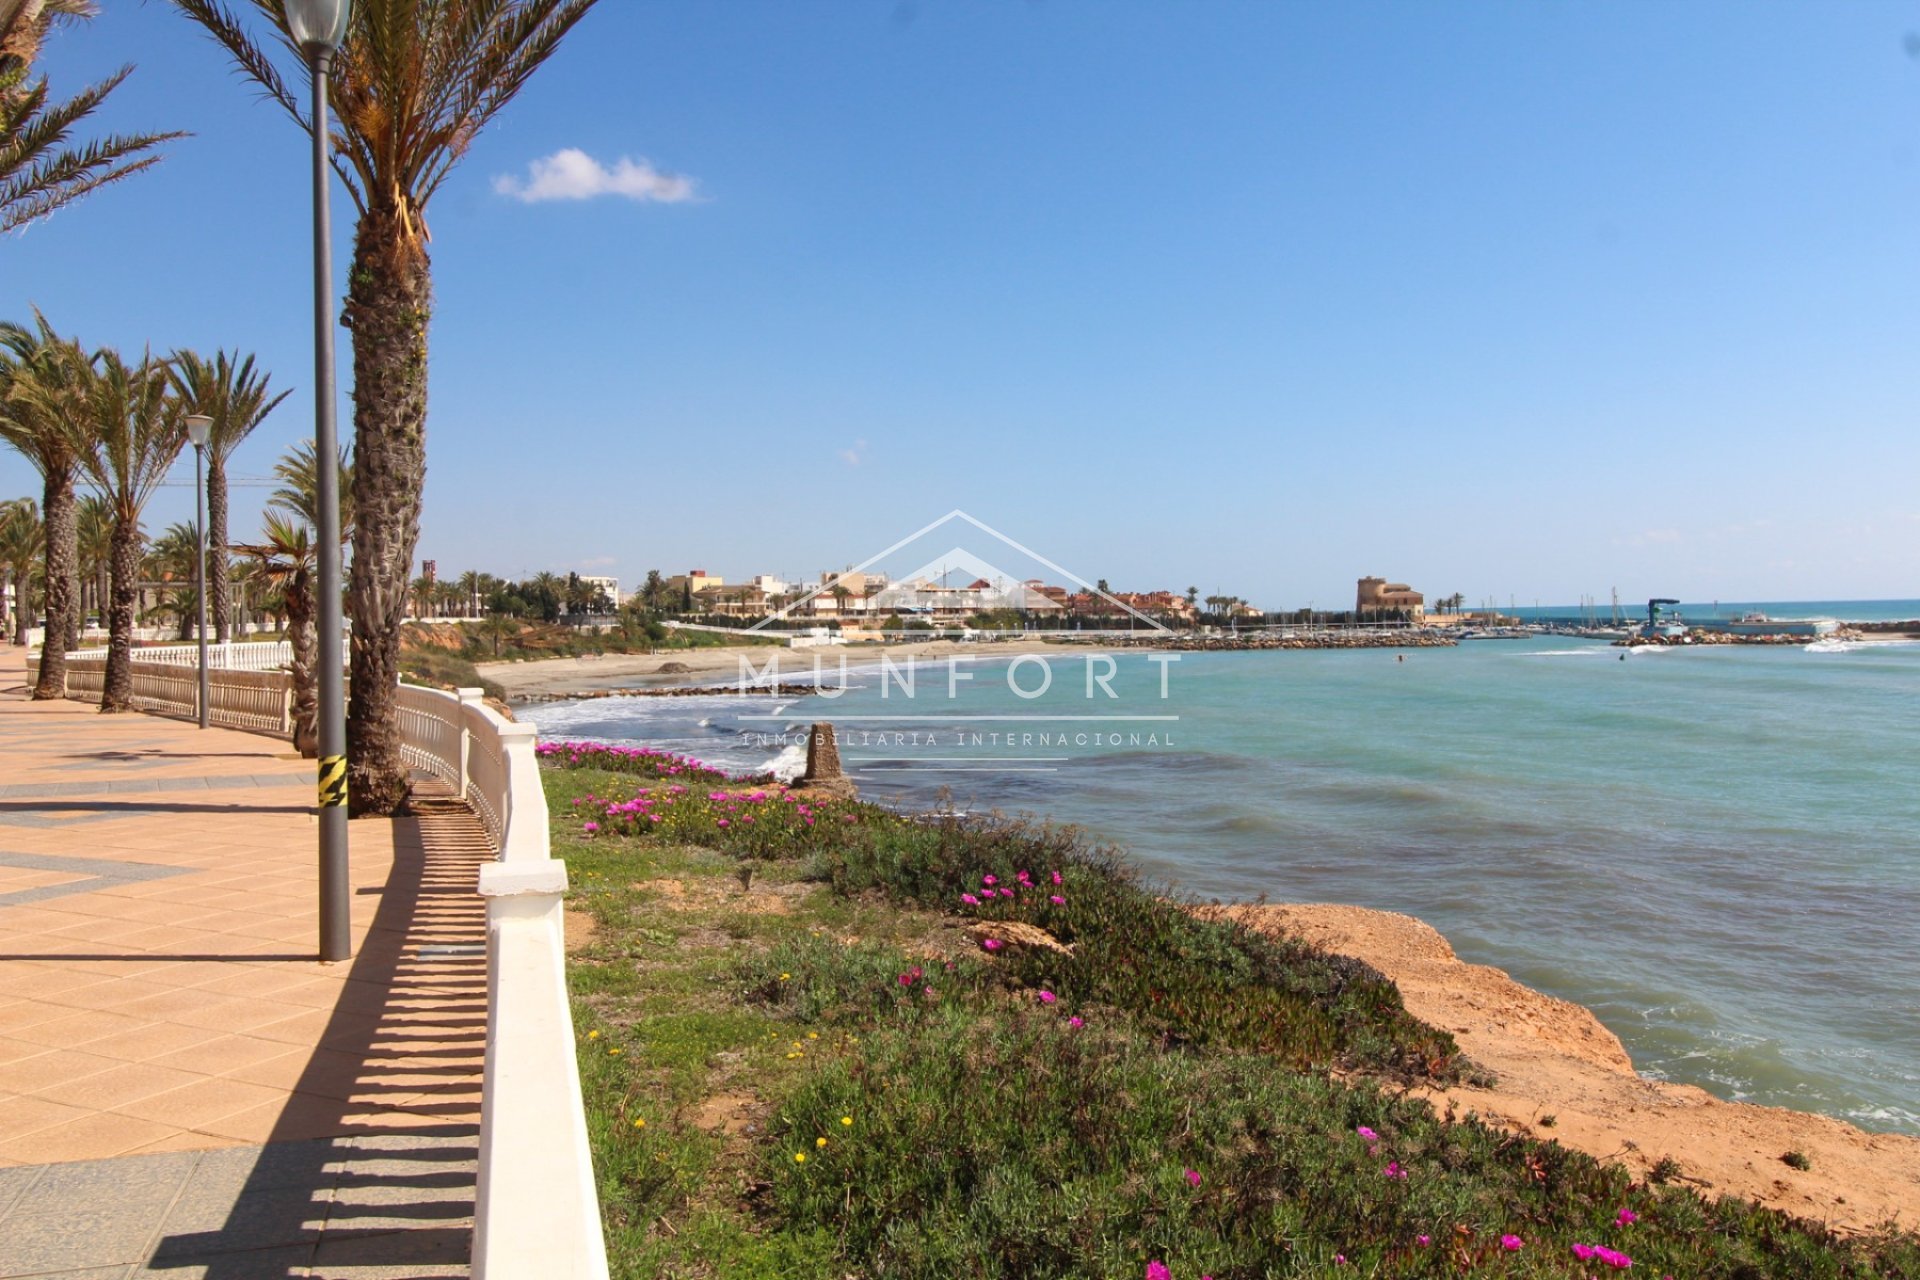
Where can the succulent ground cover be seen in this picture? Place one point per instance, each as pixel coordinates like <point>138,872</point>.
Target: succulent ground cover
<point>819,1038</point>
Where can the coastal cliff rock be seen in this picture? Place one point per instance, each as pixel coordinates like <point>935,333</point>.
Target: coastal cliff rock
<point>1562,1075</point>
<point>824,778</point>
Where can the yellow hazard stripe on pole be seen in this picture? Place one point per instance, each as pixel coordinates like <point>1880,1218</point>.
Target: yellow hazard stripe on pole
<point>333,781</point>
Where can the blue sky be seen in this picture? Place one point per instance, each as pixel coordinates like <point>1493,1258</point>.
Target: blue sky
<point>1514,299</point>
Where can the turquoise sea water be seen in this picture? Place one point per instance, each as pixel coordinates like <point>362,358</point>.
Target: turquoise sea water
<point>1718,851</point>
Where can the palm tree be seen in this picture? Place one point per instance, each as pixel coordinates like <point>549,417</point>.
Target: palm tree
<point>93,548</point>
<point>287,556</point>
<point>299,491</point>
<point>415,84</point>
<point>44,383</point>
<point>469,589</point>
<point>173,562</point>
<point>39,172</point>
<point>137,430</point>
<point>228,390</point>
<point>20,545</point>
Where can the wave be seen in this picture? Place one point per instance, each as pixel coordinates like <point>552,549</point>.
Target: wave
<point>1561,653</point>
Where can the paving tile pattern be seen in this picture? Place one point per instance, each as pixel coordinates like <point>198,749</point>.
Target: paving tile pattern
<point>159,1000</point>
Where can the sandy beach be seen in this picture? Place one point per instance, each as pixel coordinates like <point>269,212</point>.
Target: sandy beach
<point>560,677</point>
<point>1562,1075</point>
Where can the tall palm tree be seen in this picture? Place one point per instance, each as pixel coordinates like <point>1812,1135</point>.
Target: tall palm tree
<point>39,171</point>
<point>44,383</point>
<point>230,391</point>
<point>138,429</point>
<point>288,556</point>
<point>299,491</point>
<point>21,536</point>
<point>415,84</point>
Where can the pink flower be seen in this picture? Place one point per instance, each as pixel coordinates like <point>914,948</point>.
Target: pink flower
<point>1193,1177</point>
<point>1157,1270</point>
<point>1367,1133</point>
<point>1057,900</point>
<point>1006,893</point>
<point>906,979</point>
<point>1600,1253</point>
<point>969,899</point>
<point>991,944</point>
<point>1425,1240</point>
<point>722,822</point>
<point>1339,1259</point>
<point>989,880</point>
<point>1393,1170</point>
<point>1511,1243</point>
<point>1047,997</point>
<point>1057,879</point>
<point>1625,1218</point>
<point>590,827</point>
<point>1075,1021</point>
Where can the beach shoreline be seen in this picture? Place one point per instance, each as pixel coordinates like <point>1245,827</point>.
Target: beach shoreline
<point>720,667</point>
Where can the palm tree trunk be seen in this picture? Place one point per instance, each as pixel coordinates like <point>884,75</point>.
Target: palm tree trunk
<point>389,301</point>
<point>63,554</point>
<point>126,572</point>
<point>306,643</point>
<point>217,602</point>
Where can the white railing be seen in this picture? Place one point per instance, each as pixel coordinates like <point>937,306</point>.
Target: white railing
<point>537,1210</point>
<point>258,701</point>
<point>251,655</point>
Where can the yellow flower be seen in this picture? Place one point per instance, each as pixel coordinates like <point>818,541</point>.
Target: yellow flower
<point>799,1157</point>
<point>846,1119</point>
<point>813,1035</point>
<point>785,976</point>
<point>613,1053</point>
<point>593,1035</point>
<point>819,1142</point>
<point>639,1124</point>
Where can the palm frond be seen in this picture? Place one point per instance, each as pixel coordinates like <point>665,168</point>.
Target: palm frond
<point>38,173</point>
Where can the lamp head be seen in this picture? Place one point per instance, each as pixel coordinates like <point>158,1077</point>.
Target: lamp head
<point>317,26</point>
<point>199,429</point>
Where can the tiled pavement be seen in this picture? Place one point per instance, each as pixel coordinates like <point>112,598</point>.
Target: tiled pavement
<point>183,1089</point>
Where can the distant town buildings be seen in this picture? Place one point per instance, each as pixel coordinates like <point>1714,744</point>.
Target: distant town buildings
<point>1377,595</point>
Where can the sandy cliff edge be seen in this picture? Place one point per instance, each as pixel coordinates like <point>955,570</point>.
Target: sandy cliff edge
<point>1553,1058</point>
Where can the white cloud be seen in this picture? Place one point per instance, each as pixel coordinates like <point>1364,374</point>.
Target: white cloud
<point>572,174</point>
<point>853,456</point>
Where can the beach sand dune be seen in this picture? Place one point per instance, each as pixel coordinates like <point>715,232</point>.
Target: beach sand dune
<point>1555,1059</point>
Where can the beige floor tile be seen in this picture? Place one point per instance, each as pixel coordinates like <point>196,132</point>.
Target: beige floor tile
<point>119,1085</point>
<point>193,1105</point>
<point>22,1116</point>
<point>96,1135</point>
<point>36,1074</point>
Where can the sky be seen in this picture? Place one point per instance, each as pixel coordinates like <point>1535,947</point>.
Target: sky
<point>1520,300</point>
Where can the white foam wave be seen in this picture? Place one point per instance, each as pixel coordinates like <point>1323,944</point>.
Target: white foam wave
<point>790,763</point>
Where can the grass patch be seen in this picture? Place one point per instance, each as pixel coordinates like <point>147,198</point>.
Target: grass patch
<point>828,1072</point>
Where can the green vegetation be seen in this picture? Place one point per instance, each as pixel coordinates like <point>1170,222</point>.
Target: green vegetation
<point>803,1056</point>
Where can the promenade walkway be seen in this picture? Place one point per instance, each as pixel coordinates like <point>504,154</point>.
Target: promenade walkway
<point>184,1090</point>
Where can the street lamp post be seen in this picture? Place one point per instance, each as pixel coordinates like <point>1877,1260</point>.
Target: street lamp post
<point>199,428</point>
<point>318,28</point>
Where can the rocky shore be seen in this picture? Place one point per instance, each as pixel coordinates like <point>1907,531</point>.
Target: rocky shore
<point>1560,1074</point>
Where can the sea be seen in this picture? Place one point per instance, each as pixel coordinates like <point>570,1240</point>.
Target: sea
<point>1715,849</point>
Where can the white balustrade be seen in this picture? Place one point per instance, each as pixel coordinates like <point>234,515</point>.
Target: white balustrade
<point>537,1212</point>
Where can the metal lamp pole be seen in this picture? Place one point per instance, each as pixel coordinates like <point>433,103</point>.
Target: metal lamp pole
<point>199,429</point>
<point>318,28</point>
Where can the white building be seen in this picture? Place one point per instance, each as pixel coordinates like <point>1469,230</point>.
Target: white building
<point>610,586</point>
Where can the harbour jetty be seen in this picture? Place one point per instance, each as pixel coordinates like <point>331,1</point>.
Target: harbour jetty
<point>1396,639</point>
